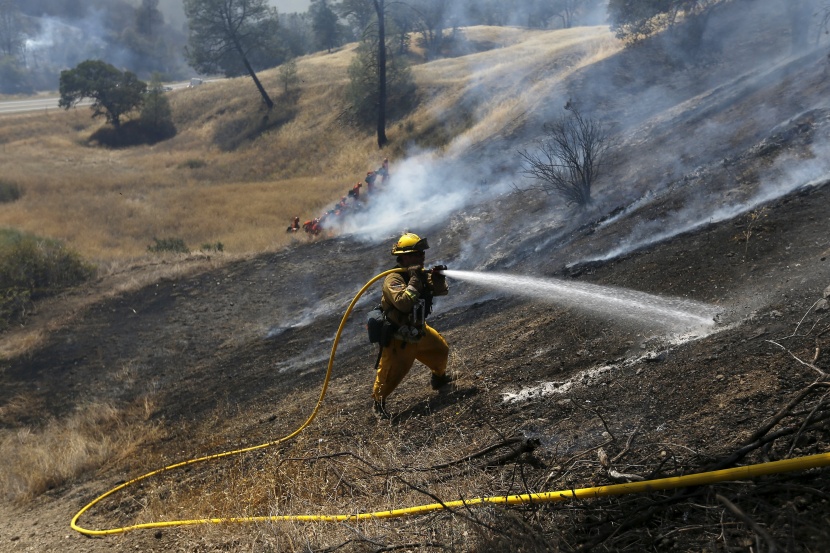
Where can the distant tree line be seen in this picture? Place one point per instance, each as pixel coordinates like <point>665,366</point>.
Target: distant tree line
<point>40,38</point>
<point>243,37</point>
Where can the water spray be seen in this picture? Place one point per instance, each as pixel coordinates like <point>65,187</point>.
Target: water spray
<point>670,312</point>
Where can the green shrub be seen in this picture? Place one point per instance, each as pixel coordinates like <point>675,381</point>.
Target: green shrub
<point>217,247</point>
<point>136,132</point>
<point>9,191</point>
<point>31,268</point>
<point>192,164</point>
<point>175,245</point>
<point>156,116</point>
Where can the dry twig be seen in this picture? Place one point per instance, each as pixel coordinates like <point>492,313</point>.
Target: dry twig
<point>807,420</point>
<point>749,522</point>
<point>819,371</point>
<point>619,455</point>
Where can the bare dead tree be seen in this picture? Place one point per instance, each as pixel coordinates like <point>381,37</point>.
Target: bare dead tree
<point>568,158</point>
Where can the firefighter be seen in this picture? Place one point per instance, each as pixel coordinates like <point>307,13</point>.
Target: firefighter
<point>406,303</point>
<point>370,181</point>
<point>384,170</point>
<point>295,225</point>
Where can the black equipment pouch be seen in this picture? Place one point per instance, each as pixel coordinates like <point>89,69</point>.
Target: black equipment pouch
<point>419,314</point>
<point>379,328</point>
<point>374,325</point>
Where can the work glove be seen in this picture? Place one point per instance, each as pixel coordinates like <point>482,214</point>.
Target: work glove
<point>438,278</point>
<point>416,277</point>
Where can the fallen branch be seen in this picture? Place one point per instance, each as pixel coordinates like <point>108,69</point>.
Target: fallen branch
<point>640,518</point>
<point>805,423</point>
<point>595,412</point>
<point>614,474</point>
<point>619,455</point>
<point>573,458</point>
<point>749,522</point>
<point>471,518</point>
<point>786,410</point>
<point>742,452</point>
<point>480,453</point>
<point>624,477</point>
<point>795,332</point>
<point>819,371</point>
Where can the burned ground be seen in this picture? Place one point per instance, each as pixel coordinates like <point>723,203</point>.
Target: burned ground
<point>230,369</point>
<point>548,398</point>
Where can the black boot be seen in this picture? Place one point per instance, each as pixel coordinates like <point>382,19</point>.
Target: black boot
<point>439,381</point>
<point>379,408</point>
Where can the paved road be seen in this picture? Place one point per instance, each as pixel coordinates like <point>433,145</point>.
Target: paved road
<point>34,104</point>
<point>43,103</point>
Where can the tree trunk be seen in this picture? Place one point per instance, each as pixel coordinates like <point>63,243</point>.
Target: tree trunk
<point>252,73</point>
<point>382,140</point>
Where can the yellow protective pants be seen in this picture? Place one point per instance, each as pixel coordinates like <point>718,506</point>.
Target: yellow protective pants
<point>397,358</point>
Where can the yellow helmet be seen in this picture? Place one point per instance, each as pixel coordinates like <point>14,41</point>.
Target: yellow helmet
<point>409,243</point>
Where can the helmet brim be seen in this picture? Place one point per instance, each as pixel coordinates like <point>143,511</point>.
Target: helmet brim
<point>420,246</point>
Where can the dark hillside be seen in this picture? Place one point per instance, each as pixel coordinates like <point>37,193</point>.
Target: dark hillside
<point>719,195</point>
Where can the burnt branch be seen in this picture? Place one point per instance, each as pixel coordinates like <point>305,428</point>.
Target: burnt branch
<point>749,522</point>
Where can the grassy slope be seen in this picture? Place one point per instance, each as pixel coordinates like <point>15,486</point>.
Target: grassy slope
<point>109,204</point>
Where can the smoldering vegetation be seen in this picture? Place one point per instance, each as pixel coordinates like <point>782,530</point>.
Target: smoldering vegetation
<point>669,138</point>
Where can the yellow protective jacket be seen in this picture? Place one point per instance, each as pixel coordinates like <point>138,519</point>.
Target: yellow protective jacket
<point>399,298</point>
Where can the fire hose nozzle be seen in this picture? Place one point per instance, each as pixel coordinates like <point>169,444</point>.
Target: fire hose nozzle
<point>438,269</point>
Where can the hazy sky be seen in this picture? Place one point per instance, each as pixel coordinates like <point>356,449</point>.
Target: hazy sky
<point>173,10</point>
<point>289,6</point>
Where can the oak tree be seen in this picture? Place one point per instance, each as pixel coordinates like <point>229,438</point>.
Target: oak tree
<point>233,37</point>
<point>113,93</point>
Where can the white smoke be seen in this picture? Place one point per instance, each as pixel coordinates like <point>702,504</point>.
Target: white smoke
<point>787,175</point>
<point>423,191</point>
<point>63,44</point>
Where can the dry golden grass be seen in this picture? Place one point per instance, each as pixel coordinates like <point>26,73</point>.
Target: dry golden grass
<point>23,342</point>
<point>110,204</point>
<point>37,459</point>
<point>509,82</point>
<point>326,471</point>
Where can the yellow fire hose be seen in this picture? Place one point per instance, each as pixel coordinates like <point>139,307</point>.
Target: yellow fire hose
<point>739,473</point>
